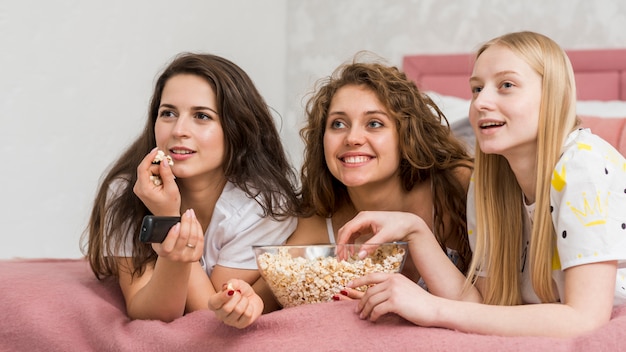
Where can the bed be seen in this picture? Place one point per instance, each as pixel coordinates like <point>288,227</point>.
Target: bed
<point>58,305</point>
<point>600,87</point>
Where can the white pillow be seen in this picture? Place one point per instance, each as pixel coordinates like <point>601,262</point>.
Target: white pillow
<point>457,109</point>
<point>609,109</point>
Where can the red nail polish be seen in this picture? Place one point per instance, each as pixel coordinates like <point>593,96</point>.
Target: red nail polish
<point>335,298</point>
<point>344,292</point>
<point>238,291</point>
<point>231,292</point>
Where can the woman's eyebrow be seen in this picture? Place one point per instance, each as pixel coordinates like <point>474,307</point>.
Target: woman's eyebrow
<point>195,108</point>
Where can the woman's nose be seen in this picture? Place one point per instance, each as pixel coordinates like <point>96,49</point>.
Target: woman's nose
<point>181,127</point>
<point>355,136</point>
<point>482,100</point>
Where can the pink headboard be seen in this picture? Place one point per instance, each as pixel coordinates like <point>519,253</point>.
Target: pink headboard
<point>600,74</point>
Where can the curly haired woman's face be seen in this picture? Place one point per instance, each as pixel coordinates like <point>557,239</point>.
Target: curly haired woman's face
<point>505,105</point>
<point>188,127</point>
<point>360,139</point>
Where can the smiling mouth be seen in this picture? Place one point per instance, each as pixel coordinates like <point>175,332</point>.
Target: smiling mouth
<point>178,151</point>
<point>488,125</point>
<point>355,159</point>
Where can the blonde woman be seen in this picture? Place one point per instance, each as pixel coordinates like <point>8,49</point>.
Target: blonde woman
<point>546,210</point>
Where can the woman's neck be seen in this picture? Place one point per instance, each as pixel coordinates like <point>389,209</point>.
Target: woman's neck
<point>201,197</point>
<point>388,197</point>
<point>525,169</point>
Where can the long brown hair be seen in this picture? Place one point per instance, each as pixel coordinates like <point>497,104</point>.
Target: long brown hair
<point>255,161</point>
<point>428,149</point>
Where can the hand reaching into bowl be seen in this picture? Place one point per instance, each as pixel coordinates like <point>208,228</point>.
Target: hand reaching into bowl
<point>384,226</point>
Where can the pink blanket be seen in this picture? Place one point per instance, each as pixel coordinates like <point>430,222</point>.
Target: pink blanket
<point>58,305</point>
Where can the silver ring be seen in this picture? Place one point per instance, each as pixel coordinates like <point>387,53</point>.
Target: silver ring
<point>190,245</point>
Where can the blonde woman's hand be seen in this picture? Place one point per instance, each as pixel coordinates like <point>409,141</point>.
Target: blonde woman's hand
<point>395,293</point>
<point>185,240</point>
<point>162,197</point>
<point>237,304</point>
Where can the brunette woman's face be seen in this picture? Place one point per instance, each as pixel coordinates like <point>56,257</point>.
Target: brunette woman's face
<point>360,139</point>
<point>188,127</point>
<point>504,112</point>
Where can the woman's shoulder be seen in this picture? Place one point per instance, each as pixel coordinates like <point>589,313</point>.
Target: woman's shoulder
<point>587,157</point>
<point>310,230</point>
<point>234,199</point>
<point>582,142</point>
<point>463,174</point>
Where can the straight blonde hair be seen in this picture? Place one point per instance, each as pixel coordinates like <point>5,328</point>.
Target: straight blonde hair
<point>499,200</point>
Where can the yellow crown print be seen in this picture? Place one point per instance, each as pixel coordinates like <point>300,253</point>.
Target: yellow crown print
<point>592,215</point>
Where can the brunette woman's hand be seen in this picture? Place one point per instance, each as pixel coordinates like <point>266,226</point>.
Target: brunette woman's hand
<point>185,240</point>
<point>161,197</point>
<point>237,304</point>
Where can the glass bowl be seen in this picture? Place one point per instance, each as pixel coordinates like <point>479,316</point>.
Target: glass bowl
<point>315,273</point>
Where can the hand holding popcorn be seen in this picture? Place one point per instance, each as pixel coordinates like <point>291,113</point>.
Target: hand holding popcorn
<point>155,184</point>
<point>237,304</point>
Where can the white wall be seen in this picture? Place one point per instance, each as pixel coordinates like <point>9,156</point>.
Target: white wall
<point>75,77</point>
<point>75,80</point>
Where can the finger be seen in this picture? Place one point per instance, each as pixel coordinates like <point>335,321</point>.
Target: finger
<point>240,314</point>
<point>352,293</point>
<point>353,229</point>
<point>166,173</point>
<point>218,301</point>
<point>186,223</point>
<point>146,163</point>
<point>194,238</point>
<point>378,310</point>
<point>372,298</point>
<point>368,280</point>
<point>145,172</point>
<point>171,238</point>
<point>344,295</point>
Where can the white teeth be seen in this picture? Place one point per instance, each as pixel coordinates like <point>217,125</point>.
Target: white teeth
<point>355,159</point>
<point>181,151</point>
<point>490,124</point>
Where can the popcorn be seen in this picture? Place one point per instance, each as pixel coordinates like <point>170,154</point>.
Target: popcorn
<point>157,160</point>
<point>298,280</point>
<point>160,156</point>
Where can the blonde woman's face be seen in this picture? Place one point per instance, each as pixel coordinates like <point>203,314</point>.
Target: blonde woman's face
<point>504,112</point>
<point>189,129</point>
<point>360,139</point>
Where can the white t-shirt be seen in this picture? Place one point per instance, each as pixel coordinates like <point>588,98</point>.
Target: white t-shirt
<point>236,225</point>
<point>588,205</point>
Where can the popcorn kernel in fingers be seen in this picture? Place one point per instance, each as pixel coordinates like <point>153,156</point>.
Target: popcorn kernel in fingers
<point>160,156</point>
<point>156,180</point>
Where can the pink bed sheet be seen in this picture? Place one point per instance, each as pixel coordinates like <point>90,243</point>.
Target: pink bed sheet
<point>58,305</point>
